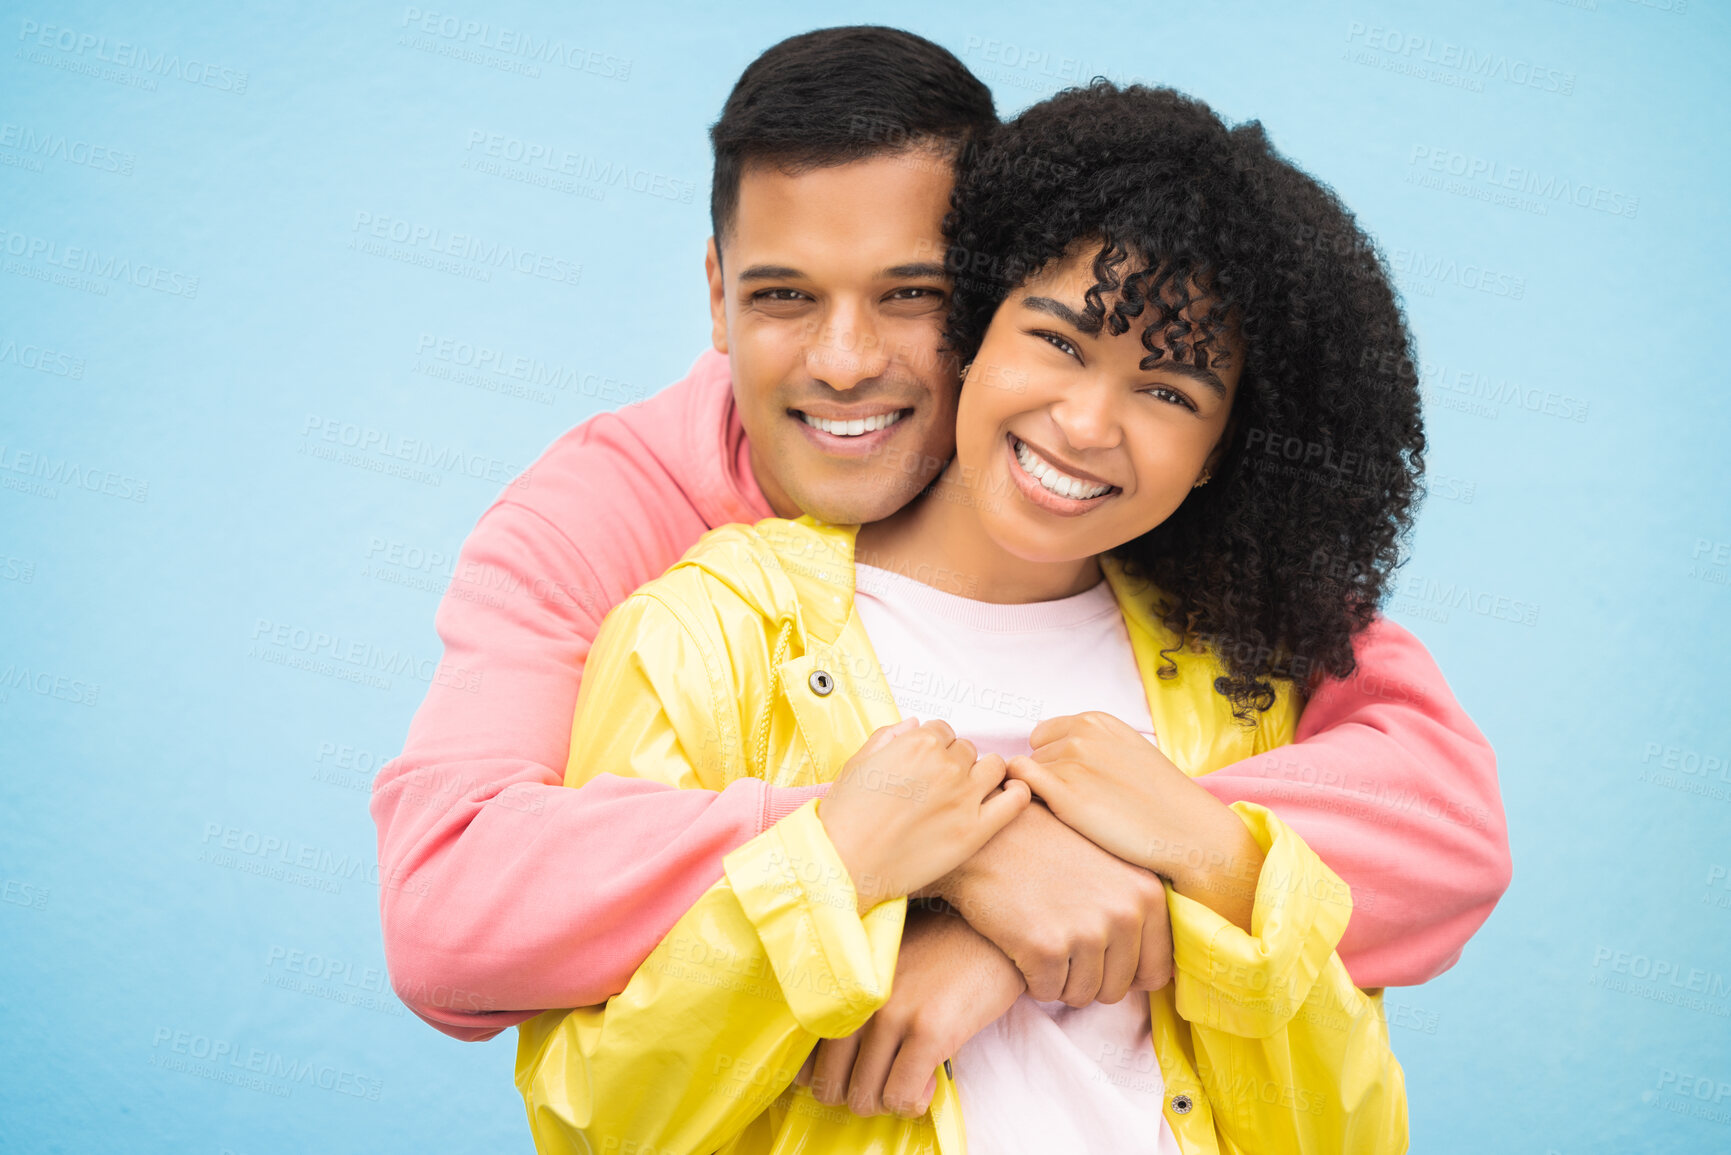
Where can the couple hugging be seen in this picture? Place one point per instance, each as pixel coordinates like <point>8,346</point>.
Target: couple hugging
<point>1012,758</point>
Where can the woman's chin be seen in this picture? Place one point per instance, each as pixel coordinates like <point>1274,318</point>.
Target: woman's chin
<point>1037,548</point>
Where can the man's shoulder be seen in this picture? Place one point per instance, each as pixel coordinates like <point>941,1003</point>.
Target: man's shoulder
<point>671,458</point>
<point>664,431</point>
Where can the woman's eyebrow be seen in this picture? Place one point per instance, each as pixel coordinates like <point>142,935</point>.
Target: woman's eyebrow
<point>1061,311</point>
<point>1197,373</point>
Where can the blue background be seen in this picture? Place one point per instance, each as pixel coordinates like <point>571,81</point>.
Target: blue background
<point>162,505</point>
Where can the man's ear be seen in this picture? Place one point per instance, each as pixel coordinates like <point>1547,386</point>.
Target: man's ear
<point>717,298</point>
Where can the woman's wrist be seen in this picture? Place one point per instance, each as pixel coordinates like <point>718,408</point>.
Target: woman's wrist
<point>1220,866</point>
<point>856,857</point>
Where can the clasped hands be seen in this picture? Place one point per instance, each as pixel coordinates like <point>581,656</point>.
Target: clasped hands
<point>1062,897</point>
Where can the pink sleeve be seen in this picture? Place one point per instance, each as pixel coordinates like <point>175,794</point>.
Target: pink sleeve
<point>1395,789</point>
<point>502,893</point>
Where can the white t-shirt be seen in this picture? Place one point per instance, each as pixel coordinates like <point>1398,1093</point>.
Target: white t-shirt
<point>1044,1077</point>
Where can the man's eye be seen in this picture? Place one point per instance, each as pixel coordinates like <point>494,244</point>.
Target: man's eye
<point>915,293</point>
<point>777,295</point>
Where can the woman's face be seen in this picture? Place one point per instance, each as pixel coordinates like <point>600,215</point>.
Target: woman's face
<point>1070,448</point>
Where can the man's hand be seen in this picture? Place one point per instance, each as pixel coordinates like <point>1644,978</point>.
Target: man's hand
<point>950,984</point>
<point>1080,924</point>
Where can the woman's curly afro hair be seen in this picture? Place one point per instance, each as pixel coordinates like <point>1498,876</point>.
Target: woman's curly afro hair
<point>1210,240</point>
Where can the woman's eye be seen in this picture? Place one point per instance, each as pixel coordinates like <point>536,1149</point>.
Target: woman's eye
<point>1059,343</point>
<point>1171,395</point>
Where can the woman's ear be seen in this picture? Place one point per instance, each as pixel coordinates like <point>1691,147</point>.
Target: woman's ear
<point>1223,444</point>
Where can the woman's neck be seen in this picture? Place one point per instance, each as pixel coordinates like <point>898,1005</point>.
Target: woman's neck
<point>940,533</point>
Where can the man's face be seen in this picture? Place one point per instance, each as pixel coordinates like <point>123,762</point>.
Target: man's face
<point>829,300</point>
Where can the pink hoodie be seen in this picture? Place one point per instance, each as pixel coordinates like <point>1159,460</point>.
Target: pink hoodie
<point>506,894</point>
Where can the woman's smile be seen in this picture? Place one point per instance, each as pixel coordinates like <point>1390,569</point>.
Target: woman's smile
<point>1057,490</point>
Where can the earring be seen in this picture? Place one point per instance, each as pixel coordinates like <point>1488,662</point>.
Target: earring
<point>1203,480</point>
<point>963,375</point>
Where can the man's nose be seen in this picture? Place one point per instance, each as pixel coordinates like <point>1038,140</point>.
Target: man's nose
<point>846,347</point>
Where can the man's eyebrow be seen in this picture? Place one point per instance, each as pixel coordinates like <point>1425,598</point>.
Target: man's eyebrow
<point>1197,373</point>
<point>916,270</point>
<point>771,273</point>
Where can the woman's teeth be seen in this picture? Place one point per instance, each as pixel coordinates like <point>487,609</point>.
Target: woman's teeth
<point>1061,484</point>
<point>855,428</point>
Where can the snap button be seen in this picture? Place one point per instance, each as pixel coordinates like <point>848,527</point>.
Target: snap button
<point>1181,1104</point>
<point>821,683</point>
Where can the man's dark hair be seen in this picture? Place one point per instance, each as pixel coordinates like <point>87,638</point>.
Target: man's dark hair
<point>839,95</point>
<point>1203,233</point>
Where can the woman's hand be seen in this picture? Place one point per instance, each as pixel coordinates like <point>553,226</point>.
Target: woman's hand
<point>912,805</point>
<point>1110,783</point>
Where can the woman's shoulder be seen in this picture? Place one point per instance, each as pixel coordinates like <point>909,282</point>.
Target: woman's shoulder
<point>1182,691</point>
<point>764,571</point>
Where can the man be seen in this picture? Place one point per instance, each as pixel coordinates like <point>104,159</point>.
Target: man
<point>827,394</point>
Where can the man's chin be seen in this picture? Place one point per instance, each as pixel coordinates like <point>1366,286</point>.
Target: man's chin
<point>860,502</point>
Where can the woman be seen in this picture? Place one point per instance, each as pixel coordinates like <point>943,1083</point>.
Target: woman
<point>1138,291</point>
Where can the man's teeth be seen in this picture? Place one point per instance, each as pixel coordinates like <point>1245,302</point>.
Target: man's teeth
<point>1061,484</point>
<point>854,428</point>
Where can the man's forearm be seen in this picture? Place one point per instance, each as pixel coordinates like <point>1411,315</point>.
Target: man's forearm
<point>1392,785</point>
<point>502,893</point>
<point>527,895</point>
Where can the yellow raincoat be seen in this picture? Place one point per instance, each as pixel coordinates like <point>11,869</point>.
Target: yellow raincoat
<point>709,673</point>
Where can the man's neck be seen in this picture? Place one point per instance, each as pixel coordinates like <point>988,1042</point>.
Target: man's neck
<point>940,532</point>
